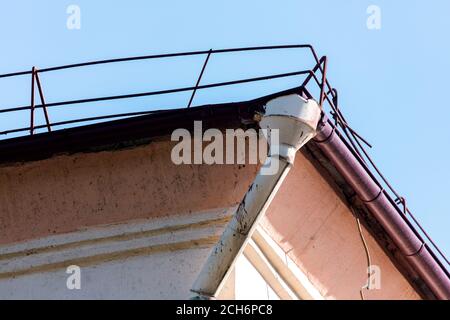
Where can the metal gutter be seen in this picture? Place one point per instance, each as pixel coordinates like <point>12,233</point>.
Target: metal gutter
<point>379,203</point>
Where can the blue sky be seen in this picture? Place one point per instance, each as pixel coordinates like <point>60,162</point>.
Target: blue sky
<point>392,81</point>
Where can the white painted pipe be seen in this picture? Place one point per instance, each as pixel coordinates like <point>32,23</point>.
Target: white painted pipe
<point>295,120</point>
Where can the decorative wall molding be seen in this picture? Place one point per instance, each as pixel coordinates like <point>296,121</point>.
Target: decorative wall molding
<point>115,242</point>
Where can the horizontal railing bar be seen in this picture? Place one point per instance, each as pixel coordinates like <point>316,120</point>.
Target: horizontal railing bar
<point>160,92</point>
<point>159,56</point>
<point>61,123</point>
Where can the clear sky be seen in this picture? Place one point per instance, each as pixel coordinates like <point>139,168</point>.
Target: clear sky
<point>392,81</point>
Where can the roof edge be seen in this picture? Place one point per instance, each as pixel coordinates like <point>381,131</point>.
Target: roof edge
<point>143,129</point>
<point>381,205</point>
<point>118,134</point>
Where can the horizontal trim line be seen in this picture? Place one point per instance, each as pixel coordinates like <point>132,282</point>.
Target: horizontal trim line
<point>120,237</point>
<point>112,256</point>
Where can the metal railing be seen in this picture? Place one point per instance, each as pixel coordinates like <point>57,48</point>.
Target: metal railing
<point>327,94</point>
<point>34,73</point>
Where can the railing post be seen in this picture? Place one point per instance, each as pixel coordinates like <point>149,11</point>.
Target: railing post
<point>324,81</point>
<point>41,94</point>
<point>199,78</point>
<point>32,102</point>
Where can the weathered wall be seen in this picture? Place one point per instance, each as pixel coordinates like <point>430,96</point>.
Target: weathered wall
<point>83,191</point>
<point>318,231</point>
<point>157,258</point>
<point>68,193</point>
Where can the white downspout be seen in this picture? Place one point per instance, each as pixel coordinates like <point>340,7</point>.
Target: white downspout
<point>296,121</point>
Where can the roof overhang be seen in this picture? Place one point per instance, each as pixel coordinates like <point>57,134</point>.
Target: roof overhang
<point>426,274</point>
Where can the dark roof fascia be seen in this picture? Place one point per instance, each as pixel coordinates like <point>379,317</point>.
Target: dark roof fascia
<point>130,131</point>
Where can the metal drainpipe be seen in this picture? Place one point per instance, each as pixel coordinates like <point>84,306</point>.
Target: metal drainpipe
<point>295,119</point>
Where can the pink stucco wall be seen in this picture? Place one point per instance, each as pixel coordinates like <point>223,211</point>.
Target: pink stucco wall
<point>318,231</point>
<point>68,193</point>
<point>307,218</point>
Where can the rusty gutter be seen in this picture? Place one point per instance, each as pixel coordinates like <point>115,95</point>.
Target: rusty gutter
<point>383,208</point>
